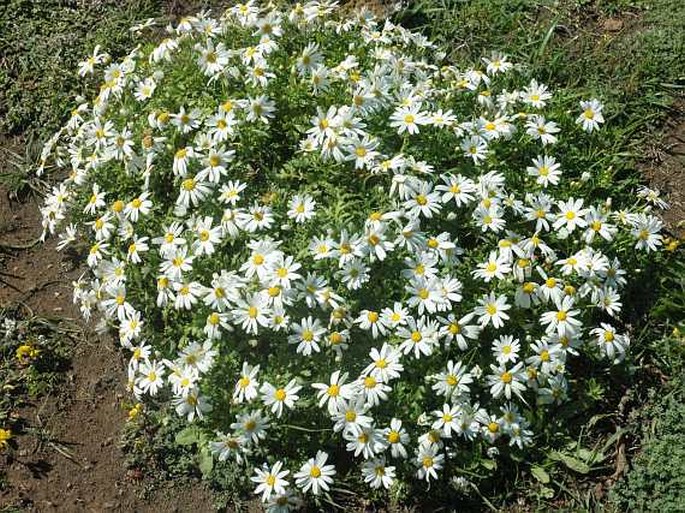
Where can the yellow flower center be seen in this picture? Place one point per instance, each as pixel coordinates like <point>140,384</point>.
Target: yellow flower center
<point>454,328</point>
<point>370,382</point>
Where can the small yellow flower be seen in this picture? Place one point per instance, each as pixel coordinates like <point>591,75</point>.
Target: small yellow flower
<point>134,412</point>
<point>5,436</point>
<point>26,352</point>
<point>671,244</point>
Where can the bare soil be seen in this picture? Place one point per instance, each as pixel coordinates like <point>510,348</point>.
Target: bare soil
<point>79,466</point>
<point>664,167</point>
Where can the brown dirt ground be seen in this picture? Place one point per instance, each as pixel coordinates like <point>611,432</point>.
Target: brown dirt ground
<point>83,470</point>
<point>665,169</point>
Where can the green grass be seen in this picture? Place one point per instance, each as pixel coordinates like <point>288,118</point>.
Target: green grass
<point>42,43</point>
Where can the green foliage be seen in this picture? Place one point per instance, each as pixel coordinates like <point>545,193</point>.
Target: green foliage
<point>657,478</point>
<point>159,446</point>
<point>41,44</point>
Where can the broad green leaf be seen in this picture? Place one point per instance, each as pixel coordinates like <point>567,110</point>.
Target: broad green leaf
<point>540,474</point>
<point>571,462</point>
<point>188,436</point>
<point>205,462</point>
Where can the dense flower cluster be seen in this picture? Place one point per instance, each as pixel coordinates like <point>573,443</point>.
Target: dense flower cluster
<point>371,251</point>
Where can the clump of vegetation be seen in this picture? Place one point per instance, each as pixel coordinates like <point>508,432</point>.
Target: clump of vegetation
<point>34,355</point>
<point>657,478</point>
<point>40,53</point>
<point>407,270</point>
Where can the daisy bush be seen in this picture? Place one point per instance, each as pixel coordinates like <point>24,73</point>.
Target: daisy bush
<point>341,258</point>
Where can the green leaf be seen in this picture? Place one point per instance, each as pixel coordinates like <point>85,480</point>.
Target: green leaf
<point>571,462</point>
<point>489,464</point>
<point>586,455</point>
<point>205,462</point>
<point>188,436</point>
<point>547,492</point>
<point>540,474</point>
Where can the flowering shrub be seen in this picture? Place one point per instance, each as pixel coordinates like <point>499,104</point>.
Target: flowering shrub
<point>311,238</point>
